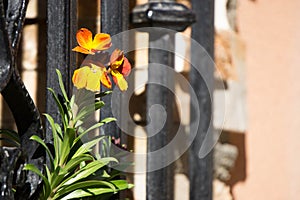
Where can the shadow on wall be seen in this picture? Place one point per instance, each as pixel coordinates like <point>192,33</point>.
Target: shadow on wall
<point>238,172</point>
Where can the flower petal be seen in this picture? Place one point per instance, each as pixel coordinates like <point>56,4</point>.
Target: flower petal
<point>119,80</point>
<point>101,41</point>
<point>80,77</point>
<point>125,68</point>
<point>116,58</point>
<point>103,76</point>
<point>105,80</point>
<point>93,79</point>
<point>82,50</point>
<point>85,38</point>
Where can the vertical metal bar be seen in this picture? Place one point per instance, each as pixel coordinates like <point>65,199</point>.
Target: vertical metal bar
<point>61,30</point>
<point>159,182</point>
<point>201,170</point>
<point>114,19</point>
<point>171,15</point>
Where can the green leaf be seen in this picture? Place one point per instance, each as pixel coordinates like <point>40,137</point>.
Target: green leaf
<point>59,131</point>
<point>72,101</point>
<point>67,144</point>
<point>86,147</point>
<point>58,176</point>
<point>60,107</point>
<point>56,139</point>
<point>97,125</point>
<point>74,149</point>
<point>87,193</point>
<point>71,106</point>
<point>105,148</point>
<point>88,110</point>
<point>10,142</point>
<point>109,159</point>
<point>102,94</point>
<point>108,120</point>
<point>85,184</point>
<point>121,184</point>
<point>85,172</point>
<point>48,173</point>
<point>34,169</point>
<point>74,163</point>
<point>99,104</point>
<point>39,140</point>
<point>61,85</point>
<point>102,175</point>
<point>10,136</point>
<point>78,124</point>
<point>130,185</point>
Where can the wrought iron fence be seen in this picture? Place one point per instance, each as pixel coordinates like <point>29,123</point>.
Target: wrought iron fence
<point>115,17</point>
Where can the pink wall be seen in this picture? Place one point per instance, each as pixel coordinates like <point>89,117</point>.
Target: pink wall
<point>271,31</point>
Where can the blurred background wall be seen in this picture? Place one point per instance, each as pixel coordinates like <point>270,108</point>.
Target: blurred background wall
<point>271,32</point>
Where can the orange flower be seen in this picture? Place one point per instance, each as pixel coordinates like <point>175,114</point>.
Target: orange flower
<point>90,78</point>
<point>120,68</point>
<point>88,45</point>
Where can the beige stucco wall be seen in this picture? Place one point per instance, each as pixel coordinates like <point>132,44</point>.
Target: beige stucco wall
<point>271,31</point>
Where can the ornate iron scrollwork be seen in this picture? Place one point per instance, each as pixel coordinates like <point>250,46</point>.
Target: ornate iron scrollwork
<point>26,115</point>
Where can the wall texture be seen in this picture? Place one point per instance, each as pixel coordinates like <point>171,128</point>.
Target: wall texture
<point>271,31</point>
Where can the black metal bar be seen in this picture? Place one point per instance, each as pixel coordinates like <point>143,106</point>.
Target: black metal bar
<point>26,115</point>
<point>61,31</point>
<point>5,52</point>
<point>8,157</point>
<point>15,16</point>
<point>114,19</point>
<point>164,14</point>
<point>171,15</point>
<point>201,170</point>
<point>160,182</point>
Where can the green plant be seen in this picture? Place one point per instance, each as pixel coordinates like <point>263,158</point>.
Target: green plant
<point>10,137</point>
<point>74,172</point>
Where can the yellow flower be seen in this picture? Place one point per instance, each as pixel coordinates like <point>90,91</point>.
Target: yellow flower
<point>88,45</point>
<point>90,78</point>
